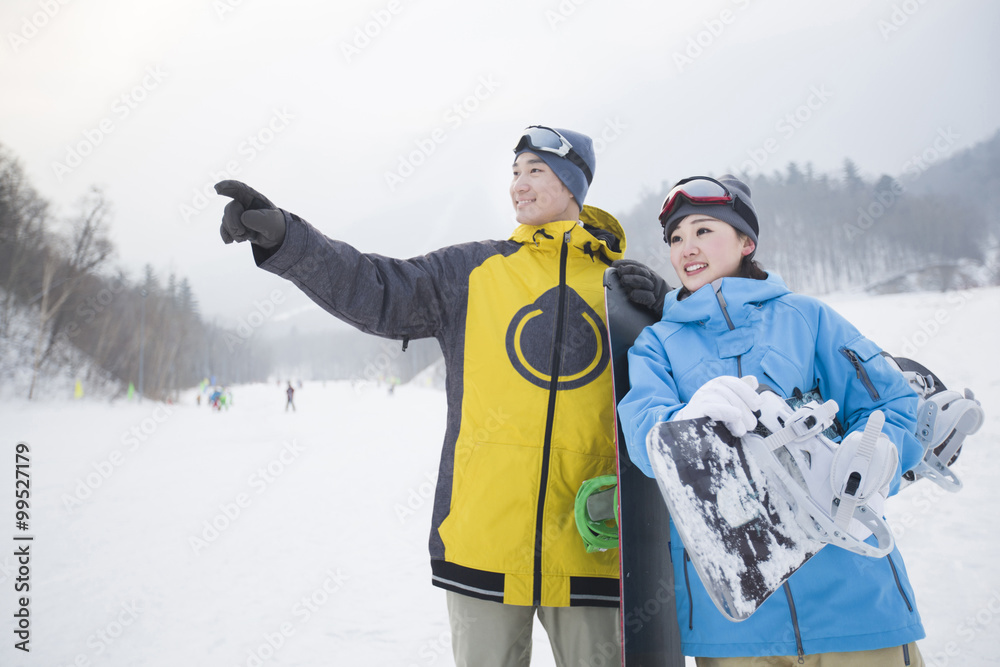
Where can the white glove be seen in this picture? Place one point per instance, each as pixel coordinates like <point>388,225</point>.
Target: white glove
<point>726,399</point>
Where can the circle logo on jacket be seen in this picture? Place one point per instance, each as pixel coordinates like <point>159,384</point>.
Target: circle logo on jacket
<point>531,337</point>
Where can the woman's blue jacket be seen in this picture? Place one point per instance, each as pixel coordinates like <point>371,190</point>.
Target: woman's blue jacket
<point>838,601</point>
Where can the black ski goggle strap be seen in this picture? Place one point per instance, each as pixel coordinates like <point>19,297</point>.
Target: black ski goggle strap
<point>701,190</point>
<point>539,138</point>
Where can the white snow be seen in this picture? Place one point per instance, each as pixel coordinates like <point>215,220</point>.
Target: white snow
<point>314,524</point>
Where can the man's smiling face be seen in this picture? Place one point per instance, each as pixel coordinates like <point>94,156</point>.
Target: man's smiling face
<point>539,197</point>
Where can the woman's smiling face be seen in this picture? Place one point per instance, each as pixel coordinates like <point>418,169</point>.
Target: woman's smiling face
<point>704,249</point>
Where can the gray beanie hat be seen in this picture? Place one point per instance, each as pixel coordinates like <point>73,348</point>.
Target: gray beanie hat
<point>725,212</point>
<point>570,174</point>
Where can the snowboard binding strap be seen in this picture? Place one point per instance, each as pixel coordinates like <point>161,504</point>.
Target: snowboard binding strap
<point>832,507</point>
<point>852,483</point>
<point>944,419</point>
<point>809,420</point>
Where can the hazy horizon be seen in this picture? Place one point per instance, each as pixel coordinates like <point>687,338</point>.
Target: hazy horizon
<point>390,124</point>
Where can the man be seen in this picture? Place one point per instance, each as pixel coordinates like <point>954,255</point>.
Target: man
<point>530,416</point>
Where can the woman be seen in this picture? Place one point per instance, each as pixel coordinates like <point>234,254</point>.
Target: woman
<point>731,319</point>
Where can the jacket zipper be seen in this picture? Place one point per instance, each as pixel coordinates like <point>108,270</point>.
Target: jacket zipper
<point>795,624</point>
<point>687,582</point>
<point>899,585</point>
<point>788,590</point>
<point>729,322</point>
<point>860,371</point>
<point>549,419</point>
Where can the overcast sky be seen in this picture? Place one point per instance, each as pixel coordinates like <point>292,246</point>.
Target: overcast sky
<point>390,123</point>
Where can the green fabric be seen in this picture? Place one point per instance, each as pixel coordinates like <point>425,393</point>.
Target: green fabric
<point>592,519</point>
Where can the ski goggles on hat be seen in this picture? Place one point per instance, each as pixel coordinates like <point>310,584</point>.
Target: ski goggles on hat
<point>704,191</point>
<point>539,138</point>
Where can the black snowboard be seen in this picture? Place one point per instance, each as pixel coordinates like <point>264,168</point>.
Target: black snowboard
<point>650,634</point>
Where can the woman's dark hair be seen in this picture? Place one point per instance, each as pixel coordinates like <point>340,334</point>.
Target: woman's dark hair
<point>750,268</point>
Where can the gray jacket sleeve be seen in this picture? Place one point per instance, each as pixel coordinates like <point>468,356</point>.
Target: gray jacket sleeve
<point>388,297</point>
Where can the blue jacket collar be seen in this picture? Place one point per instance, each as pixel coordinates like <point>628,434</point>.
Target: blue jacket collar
<point>740,296</point>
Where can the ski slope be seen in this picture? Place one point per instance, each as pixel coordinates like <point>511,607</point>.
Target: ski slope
<point>177,535</point>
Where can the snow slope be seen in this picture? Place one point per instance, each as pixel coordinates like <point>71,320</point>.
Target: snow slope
<point>175,535</point>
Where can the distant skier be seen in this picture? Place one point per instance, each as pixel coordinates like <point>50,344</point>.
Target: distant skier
<point>290,393</point>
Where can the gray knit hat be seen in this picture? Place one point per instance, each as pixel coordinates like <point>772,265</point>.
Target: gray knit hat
<point>571,175</point>
<point>728,213</point>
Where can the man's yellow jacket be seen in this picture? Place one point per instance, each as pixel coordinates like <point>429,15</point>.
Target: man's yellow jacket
<point>521,324</point>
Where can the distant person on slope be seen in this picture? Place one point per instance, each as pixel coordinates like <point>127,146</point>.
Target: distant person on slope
<point>530,416</point>
<point>290,393</point>
<point>729,320</point>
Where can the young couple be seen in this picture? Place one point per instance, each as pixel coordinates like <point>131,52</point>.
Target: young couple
<point>521,326</point>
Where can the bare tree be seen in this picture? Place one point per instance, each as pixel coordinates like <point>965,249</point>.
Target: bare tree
<point>88,248</point>
<point>51,304</point>
<point>90,245</point>
<point>22,227</point>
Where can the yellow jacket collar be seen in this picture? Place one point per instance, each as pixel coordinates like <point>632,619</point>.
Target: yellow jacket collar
<point>590,216</point>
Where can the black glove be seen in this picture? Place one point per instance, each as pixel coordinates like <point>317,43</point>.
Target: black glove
<point>643,286</point>
<point>250,216</point>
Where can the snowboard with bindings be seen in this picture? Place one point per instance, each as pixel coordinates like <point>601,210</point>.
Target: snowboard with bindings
<point>944,419</point>
<point>751,511</point>
<point>650,634</point>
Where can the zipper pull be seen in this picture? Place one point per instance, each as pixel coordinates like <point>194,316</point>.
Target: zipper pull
<point>859,371</point>
<point>853,358</point>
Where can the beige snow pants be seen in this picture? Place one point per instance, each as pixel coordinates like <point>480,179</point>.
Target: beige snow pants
<point>896,656</point>
<point>490,634</point>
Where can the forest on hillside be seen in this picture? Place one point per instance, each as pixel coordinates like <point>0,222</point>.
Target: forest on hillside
<point>935,227</point>
<point>931,228</point>
<point>144,330</point>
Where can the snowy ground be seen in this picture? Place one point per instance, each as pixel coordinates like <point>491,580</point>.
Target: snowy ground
<point>174,535</point>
